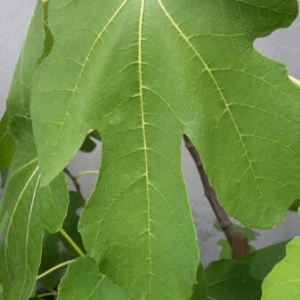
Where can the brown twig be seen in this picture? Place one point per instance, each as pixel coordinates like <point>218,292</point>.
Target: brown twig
<point>74,180</point>
<point>237,241</point>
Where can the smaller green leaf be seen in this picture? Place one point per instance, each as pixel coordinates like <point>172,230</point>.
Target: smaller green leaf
<point>84,281</point>
<point>200,290</point>
<point>7,144</point>
<point>262,261</point>
<point>231,280</point>
<point>29,211</point>
<point>283,282</point>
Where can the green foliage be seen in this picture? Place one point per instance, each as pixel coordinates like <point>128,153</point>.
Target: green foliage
<point>262,261</point>
<point>231,280</point>
<point>143,73</point>
<point>27,207</point>
<point>94,285</point>
<point>283,281</point>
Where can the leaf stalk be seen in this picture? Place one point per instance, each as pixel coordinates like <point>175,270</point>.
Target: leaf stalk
<point>54,269</point>
<point>86,173</point>
<point>71,242</point>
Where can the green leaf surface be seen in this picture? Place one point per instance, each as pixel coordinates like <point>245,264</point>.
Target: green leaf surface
<point>7,144</point>
<point>262,261</point>
<point>283,282</point>
<point>84,272</point>
<point>231,280</point>
<point>200,290</point>
<point>20,91</point>
<point>146,73</point>
<point>30,211</point>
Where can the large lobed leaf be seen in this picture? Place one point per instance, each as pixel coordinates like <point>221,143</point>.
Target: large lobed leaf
<point>143,73</point>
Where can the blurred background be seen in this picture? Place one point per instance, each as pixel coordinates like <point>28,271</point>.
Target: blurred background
<point>282,45</point>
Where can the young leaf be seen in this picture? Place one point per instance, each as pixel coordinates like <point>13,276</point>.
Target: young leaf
<point>143,73</point>
<point>283,281</point>
<point>231,280</point>
<point>84,281</point>
<point>30,211</point>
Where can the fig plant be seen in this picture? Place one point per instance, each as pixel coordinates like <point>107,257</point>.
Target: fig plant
<point>140,75</point>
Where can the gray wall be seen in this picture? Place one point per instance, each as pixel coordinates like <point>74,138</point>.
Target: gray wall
<point>282,45</point>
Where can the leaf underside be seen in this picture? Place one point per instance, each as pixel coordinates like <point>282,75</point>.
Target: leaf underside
<point>143,73</point>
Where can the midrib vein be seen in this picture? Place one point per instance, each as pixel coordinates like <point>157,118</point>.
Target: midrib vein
<point>140,38</point>
<point>217,86</point>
